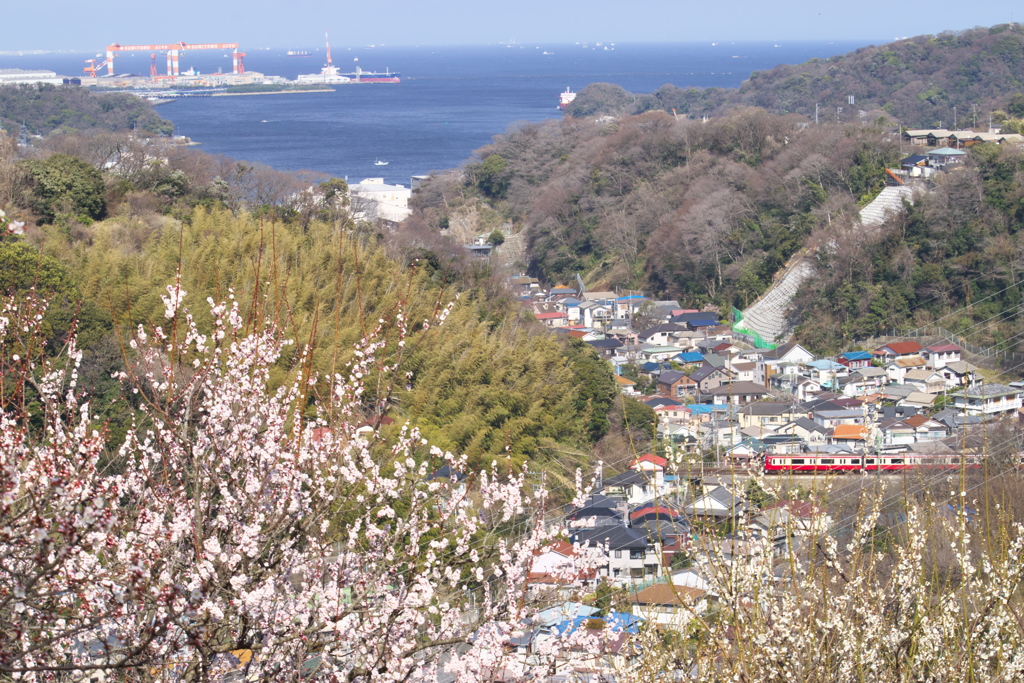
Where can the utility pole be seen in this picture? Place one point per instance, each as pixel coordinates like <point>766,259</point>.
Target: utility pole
<point>954,117</point>
<point>974,113</point>
<point>816,114</point>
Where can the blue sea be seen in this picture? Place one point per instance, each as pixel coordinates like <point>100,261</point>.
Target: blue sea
<point>451,101</point>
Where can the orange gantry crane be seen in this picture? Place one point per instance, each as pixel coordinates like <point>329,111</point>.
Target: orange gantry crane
<point>173,51</point>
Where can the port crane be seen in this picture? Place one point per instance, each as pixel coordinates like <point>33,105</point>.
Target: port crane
<point>173,51</point>
<point>93,67</point>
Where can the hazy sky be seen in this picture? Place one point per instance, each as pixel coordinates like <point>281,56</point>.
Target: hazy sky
<point>300,23</point>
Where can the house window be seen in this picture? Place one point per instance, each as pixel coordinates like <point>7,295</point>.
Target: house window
<point>636,554</point>
<point>618,554</point>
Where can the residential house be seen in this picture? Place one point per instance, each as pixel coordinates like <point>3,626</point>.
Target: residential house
<point>660,335</point>
<point>946,156</point>
<point>653,465</point>
<point>864,381</point>
<point>787,353</point>
<point>675,383</point>
<point>940,355</point>
<point>896,369</point>
<point>606,348</point>
<point>738,393</point>
<point>925,380</point>
<point>697,321</point>
<point>717,503</point>
<point>690,358</point>
<point>919,399</point>
<point>553,319</point>
<point>602,511</point>
<point>850,435</point>
<point>987,399</point>
<point>658,353</point>
<point>626,549</point>
<point>768,415</point>
<point>669,604</point>
<point>896,350</point>
<point>959,374</point>
<point>553,570</point>
<point>806,429</point>
<point>595,313</point>
<point>748,371</point>
<point>627,306</point>
<point>626,385</point>
<point>671,414</point>
<point>927,137</point>
<point>854,360</point>
<point>631,486</point>
<point>926,428</point>
<point>831,419</point>
<point>708,377</point>
<point>825,371</point>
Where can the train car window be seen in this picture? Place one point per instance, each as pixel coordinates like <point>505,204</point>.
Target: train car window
<point>895,461</point>
<point>827,461</point>
<point>869,461</point>
<point>797,461</point>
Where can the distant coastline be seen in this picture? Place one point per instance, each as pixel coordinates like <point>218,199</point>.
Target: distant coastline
<point>271,92</point>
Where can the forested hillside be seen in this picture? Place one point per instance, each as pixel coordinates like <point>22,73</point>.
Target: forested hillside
<point>959,245</point>
<point>709,212</point>
<point>43,109</point>
<point>918,81</point>
<point>703,212</point>
<point>102,247</point>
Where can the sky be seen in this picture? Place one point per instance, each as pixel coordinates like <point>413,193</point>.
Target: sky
<point>77,26</point>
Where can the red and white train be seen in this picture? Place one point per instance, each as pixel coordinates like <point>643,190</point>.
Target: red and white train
<point>798,463</point>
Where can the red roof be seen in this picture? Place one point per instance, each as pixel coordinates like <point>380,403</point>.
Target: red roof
<point>850,432</point>
<point>652,510</point>
<point>561,547</point>
<point>578,334</point>
<point>903,348</point>
<point>944,348</point>
<point>549,316</point>
<point>651,458</point>
<point>722,347</point>
<point>917,420</point>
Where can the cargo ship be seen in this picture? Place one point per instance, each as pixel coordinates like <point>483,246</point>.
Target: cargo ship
<point>565,98</point>
<point>298,53</point>
<point>360,76</point>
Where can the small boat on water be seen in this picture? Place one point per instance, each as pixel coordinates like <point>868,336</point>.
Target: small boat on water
<point>380,162</point>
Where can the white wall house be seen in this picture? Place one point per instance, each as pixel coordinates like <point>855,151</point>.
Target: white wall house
<point>987,399</point>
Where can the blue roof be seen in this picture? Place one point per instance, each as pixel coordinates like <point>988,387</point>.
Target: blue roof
<point>691,357</point>
<point>631,296</point>
<point>701,408</point>
<point>856,355</point>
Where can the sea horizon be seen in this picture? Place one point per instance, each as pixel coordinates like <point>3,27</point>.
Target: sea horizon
<point>451,101</point>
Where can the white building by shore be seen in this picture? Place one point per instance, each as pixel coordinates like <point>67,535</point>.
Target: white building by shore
<point>372,198</point>
<point>26,77</point>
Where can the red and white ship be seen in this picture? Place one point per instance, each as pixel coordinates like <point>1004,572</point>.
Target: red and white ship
<point>360,76</point>
<point>565,98</point>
